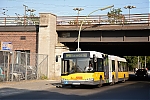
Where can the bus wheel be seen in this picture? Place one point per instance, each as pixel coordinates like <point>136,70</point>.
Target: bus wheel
<point>73,86</point>
<point>113,81</point>
<point>100,83</point>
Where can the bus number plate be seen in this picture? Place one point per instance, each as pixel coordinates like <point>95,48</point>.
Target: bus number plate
<point>76,83</point>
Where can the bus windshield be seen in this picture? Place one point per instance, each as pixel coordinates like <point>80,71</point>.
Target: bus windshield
<point>75,65</point>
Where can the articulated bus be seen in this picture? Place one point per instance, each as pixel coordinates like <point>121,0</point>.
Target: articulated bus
<point>76,69</point>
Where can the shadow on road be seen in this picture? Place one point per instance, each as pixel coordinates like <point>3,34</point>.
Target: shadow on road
<point>124,91</point>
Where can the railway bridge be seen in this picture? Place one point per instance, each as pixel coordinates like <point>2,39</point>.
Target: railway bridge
<point>98,32</point>
<point>125,37</point>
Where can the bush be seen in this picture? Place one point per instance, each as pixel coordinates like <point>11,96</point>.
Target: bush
<point>43,77</point>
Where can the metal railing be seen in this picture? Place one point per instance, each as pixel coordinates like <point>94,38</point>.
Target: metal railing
<point>4,21</point>
<point>104,19</point>
<point>77,20</point>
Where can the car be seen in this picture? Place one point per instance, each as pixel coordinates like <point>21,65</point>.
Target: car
<point>141,73</point>
<point>148,72</point>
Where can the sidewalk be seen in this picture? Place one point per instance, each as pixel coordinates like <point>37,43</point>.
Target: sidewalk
<point>9,88</point>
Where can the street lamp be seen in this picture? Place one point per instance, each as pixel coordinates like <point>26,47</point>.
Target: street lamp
<point>78,9</point>
<point>129,7</point>
<point>17,15</point>
<point>4,12</point>
<point>78,49</point>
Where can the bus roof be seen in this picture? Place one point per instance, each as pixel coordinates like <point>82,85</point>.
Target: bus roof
<point>112,57</point>
<point>122,59</point>
<point>97,54</point>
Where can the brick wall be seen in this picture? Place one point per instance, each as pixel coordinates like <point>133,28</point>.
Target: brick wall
<point>29,43</point>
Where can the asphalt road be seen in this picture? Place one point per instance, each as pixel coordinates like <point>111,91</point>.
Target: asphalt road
<point>130,90</point>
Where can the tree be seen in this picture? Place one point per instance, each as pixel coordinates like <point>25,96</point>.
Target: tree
<point>115,16</point>
<point>132,61</point>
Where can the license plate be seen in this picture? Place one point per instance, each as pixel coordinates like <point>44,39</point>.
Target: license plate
<point>76,83</point>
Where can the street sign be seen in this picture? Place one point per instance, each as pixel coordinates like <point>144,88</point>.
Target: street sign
<point>6,46</point>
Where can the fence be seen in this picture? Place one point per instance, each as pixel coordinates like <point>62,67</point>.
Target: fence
<point>17,66</point>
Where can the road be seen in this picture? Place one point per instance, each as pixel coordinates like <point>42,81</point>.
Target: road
<point>130,90</point>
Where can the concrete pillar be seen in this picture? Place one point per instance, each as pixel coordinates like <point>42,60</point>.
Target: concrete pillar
<point>47,40</point>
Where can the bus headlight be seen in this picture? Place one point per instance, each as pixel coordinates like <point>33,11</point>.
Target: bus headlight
<point>63,79</point>
<point>90,79</point>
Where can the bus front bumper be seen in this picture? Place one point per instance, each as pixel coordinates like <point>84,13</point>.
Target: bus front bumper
<point>79,82</point>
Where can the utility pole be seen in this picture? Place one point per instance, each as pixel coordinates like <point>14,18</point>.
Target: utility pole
<point>78,9</point>
<point>129,7</point>
<point>25,9</point>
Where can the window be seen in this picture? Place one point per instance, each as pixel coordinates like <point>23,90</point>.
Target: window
<point>21,57</point>
<point>100,64</point>
<point>23,38</point>
<point>125,66</point>
<point>113,65</point>
<point>65,35</point>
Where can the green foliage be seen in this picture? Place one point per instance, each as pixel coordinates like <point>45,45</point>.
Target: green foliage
<point>43,77</point>
<point>132,61</point>
<point>115,16</point>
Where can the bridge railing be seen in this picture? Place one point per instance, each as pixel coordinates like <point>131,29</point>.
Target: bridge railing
<point>19,21</point>
<point>77,20</point>
<point>104,19</point>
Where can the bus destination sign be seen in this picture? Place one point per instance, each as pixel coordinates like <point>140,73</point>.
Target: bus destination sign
<point>76,55</point>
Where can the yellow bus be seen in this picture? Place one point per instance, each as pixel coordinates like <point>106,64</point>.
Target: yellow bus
<point>92,68</point>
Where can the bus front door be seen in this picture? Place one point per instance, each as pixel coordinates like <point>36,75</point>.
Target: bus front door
<point>110,70</point>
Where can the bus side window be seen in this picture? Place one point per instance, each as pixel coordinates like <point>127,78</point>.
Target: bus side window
<point>113,65</point>
<point>100,64</point>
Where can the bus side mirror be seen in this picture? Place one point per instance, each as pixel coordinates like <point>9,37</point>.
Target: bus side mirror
<point>94,58</point>
<point>104,56</point>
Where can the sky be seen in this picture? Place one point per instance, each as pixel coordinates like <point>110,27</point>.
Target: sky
<point>65,7</point>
